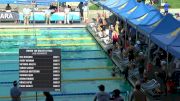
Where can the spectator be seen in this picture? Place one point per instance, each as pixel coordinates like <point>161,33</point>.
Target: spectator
<point>98,19</point>
<point>66,15</point>
<point>80,6</point>
<point>26,14</point>
<point>166,8</point>
<point>102,95</point>
<point>48,96</point>
<point>111,27</point>
<point>52,7</point>
<point>177,63</point>
<point>115,37</point>
<point>116,95</point>
<point>170,85</point>
<point>137,94</point>
<point>85,10</point>
<point>8,7</point>
<point>47,15</point>
<point>131,53</point>
<point>15,92</point>
<point>69,7</point>
<point>117,27</point>
<point>157,60</point>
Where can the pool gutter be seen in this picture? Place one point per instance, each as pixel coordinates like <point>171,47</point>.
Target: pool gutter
<point>43,26</point>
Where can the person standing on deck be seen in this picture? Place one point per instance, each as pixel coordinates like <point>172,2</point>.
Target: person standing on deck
<point>15,92</point>
<point>80,6</point>
<point>166,8</point>
<point>66,15</point>
<point>49,97</point>
<point>102,95</point>
<point>137,94</point>
<point>26,14</point>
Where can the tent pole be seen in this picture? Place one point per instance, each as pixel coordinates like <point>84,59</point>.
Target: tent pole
<point>125,33</point>
<point>58,5</point>
<point>136,34</point>
<point>149,42</point>
<point>167,67</point>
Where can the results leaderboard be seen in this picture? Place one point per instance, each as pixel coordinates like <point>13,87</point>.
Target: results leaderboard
<point>40,69</point>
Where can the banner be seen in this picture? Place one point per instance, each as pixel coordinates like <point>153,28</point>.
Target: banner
<point>9,16</point>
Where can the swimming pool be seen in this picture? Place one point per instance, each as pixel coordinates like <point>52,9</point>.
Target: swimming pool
<point>84,64</point>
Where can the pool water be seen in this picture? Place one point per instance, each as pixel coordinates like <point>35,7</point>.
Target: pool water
<point>84,64</point>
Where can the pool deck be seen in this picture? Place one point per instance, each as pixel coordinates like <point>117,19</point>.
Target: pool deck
<point>5,26</point>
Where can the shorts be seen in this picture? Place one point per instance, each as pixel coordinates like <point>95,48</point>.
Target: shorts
<point>165,12</point>
<point>26,16</point>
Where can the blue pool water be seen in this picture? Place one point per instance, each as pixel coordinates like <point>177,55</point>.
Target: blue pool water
<point>84,64</point>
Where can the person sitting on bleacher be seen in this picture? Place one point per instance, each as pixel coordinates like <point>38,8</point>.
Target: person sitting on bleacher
<point>26,14</point>
<point>8,8</point>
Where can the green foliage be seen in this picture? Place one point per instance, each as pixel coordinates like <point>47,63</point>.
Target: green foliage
<point>94,7</point>
<point>174,3</point>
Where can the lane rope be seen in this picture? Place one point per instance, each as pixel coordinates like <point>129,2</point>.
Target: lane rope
<point>67,69</point>
<point>78,80</point>
<point>78,44</point>
<point>96,58</point>
<point>1,35</point>
<point>50,39</point>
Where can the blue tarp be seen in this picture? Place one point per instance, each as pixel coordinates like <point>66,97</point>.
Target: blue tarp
<point>121,2</point>
<point>141,10</point>
<point>175,51</point>
<point>166,32</point>
<point>147,30</point>
<point>143,23</point>
<point>130,5</point>
<point>163,40</point>
<point>108,3</point>
<point>72,0</point>
<point>174,47</point>
<point>125,7</point>
<point>167,25</point>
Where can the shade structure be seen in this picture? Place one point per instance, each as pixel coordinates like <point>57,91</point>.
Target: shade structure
<point>140,10</point>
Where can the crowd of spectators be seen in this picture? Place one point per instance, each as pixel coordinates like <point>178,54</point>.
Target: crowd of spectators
<point>151,62</point>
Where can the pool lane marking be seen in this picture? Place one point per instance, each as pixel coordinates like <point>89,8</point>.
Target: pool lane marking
<point>78,44</point>
<point>93,79</point>
<point>87,68</point>
<point>79,80</point>
<point>69,69</point>
<point>1,35</point>
<point>95,58</point>
<point>51,39</point>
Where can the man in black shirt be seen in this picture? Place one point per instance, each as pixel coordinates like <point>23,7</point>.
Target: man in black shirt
<point>80,6</point>
<point>8,7</point>
<point>48,96</point>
